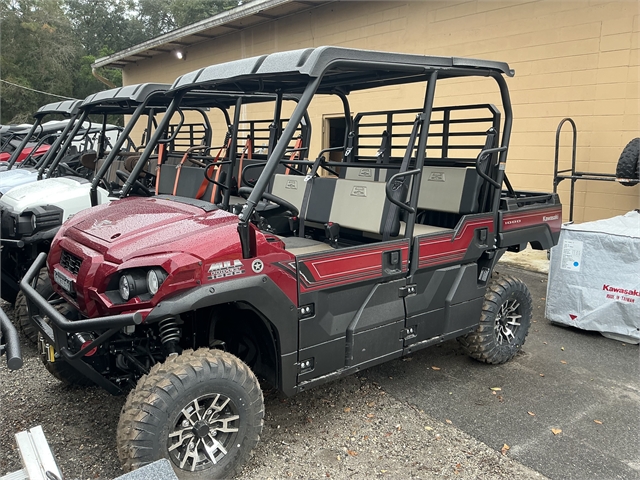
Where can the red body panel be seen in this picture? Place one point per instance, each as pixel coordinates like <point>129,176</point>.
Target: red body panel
<point>552,216</point>
<point>347,265</point>
<point>5,156</point>
<point>451,247</point>
<point>134,233</point>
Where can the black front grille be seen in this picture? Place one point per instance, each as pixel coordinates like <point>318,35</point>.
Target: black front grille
<point>70,262</point>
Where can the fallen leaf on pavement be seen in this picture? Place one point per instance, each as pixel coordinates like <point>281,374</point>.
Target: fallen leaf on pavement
<point>563,361</point>
<point>428,428</point>
<point>353,453</point>
<point>532,414</point>
<point>556,431</point>
<point>370,415</point>
<point>435,368</point>
<point>542,374</point>
<point>496,389</point>
<point>347,409</point>
<point>371,404</point>
<point>448,421</point>
<point>599,422</point>
<point>505,448</point>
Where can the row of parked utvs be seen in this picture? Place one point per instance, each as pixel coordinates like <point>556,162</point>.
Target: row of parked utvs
<point>194,269</point>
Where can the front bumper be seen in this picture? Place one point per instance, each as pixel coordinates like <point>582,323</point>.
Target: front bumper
<point>56,333</point>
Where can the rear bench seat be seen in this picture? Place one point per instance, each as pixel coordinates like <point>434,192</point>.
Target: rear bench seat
<point>362,204</point>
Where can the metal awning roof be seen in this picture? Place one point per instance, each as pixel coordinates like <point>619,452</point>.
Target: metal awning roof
<point>240,18</point>
<point>346,68</point>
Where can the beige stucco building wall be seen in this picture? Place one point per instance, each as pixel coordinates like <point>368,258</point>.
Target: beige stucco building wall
<point>574,58</point>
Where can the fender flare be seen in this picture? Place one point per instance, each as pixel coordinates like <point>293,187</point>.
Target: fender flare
<point>259,291</point>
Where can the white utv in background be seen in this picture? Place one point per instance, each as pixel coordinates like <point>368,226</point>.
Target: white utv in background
<point>14,172</point>
<point>30,215</point>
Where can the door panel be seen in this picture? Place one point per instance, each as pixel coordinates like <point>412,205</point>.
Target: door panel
<point>351,291</point>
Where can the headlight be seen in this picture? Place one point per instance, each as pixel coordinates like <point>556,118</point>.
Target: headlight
<point>125,287</point>
<point>133,283</point>
<point>155,277</point>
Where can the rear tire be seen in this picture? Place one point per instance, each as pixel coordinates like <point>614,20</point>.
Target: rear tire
<point>628,168</point>
<point>195,406</point>
<point>504,322</point>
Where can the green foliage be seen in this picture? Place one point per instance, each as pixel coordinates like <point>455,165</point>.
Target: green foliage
<point>38,51</point>
<point>49,45</point>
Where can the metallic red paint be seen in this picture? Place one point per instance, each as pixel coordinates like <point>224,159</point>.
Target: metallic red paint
<point>552,216</point>
<point>451,247</point>
<point>181,238</point>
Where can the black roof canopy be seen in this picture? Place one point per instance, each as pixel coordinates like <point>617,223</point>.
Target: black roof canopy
<point>126,99</point>
<point>66,108</point>
<point>346,69</point>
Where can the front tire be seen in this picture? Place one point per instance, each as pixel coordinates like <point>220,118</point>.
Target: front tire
<point>22,313</point>
<point>504,322</point>
<point>203,410</point>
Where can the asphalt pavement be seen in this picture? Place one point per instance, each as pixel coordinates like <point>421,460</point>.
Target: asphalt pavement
<point>581,383</point>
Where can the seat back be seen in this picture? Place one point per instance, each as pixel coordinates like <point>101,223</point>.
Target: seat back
<point>352,204</point>
<point>110,176</point>
<point>189,183</point>
<point>290,188</point>
<point>364,206</point>
<point>449,189</point>
<point>369,174</point>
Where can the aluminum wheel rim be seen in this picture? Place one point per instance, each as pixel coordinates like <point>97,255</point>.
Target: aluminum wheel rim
<point>507,322</point>
<point>203,433</point>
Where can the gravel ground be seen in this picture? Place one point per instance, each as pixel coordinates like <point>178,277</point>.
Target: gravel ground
<point>347,429</point>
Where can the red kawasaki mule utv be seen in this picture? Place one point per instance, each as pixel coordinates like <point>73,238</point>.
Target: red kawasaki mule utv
<point>385,252</point>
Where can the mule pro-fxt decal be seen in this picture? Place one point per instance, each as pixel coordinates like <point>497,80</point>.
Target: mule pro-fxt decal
<point>228,268</point>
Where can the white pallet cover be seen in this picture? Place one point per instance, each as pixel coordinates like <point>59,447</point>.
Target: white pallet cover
<point>594,277</point>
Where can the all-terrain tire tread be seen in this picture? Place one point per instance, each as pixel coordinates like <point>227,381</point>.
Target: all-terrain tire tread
<point>164,382</point>
<point>481,343</point>
<point>628,167</point>
<point>21,313</point>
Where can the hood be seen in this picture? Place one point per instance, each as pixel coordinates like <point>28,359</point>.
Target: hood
<point>135,227</point>
<point>15,177</point>
<point>70,194</point>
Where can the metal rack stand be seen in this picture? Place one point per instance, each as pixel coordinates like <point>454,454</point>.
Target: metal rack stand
<point>571,173</point>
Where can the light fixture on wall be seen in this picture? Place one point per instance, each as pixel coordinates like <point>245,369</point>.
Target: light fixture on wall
<point>180,54</point>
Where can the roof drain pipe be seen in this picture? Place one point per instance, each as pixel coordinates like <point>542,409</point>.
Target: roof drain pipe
<point>100,78</point>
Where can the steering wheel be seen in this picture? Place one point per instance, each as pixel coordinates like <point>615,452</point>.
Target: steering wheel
<point>64,169</point>
<point>244,192</point>
<point>138,187</point>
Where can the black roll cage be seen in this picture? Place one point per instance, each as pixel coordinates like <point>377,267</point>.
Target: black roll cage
<point>40,115</point>
<point>431,75</point>
<point>221,101</point>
